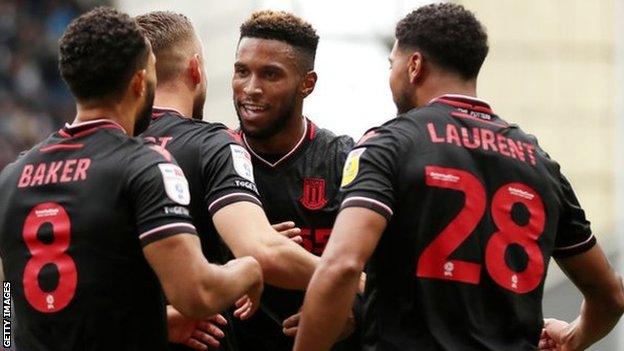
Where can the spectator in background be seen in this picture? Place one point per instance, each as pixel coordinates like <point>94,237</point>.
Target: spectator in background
<point>33,99</point>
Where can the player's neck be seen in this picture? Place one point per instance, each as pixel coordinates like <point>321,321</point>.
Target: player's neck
<point>283,141</point>
<point>166,98</point>
<point>110,111</point>
<point>442,85</point>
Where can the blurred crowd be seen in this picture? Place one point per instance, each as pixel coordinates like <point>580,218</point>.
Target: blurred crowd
<point>34,101</point>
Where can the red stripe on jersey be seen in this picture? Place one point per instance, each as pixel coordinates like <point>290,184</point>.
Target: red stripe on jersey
<point>94,129</point>
<point>157,115</point>
<point>468,106</point>
<point>61,147</point>
<point>466,102</point>
<point>312,130</point>
<point>158,111</point>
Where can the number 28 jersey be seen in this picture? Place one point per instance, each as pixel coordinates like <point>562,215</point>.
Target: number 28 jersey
<point>475,211</point>
<point>75,212</point>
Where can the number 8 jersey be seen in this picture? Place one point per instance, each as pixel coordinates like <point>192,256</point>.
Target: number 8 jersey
<point>75,212</point>
<point>475,211</point>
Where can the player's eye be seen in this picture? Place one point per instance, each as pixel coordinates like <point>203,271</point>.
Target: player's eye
<point>270,75</point>
<point>241,71</point>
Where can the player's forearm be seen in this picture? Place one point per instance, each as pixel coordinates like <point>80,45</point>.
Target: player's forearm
<point>599,314</point>
<point>327,305</point>
<point>247,232</point>
<point>228,283</point>
<point>286,264</point>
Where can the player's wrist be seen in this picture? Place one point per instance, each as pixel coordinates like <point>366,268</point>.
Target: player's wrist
<point>252,269</point>
<point>574,338</point>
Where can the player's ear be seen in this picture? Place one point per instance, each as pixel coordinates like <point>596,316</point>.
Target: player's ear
<point>194,70</point>
<point>308,83</point>
<point>415,67</point>
<point>138,84</point>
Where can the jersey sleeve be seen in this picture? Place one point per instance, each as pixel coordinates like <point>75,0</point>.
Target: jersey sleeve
<point>344,144</point>
<point>159,192</point>
<point>227,173</point>
<point>369,173</point>
<point>574,235</point>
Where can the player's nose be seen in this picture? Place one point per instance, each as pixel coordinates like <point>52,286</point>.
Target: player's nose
<point>252,86</point>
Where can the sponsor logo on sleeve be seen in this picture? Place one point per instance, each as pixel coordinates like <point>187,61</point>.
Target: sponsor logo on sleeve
<point>244,184</point>
<point>176,184</point>
<point>242,162</point>
<point>352,166</point>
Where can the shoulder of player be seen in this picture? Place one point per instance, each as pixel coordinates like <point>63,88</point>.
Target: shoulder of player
<point>186,124</point>
<point>399,130</point>
<point>25,155</point>
<point>216,136</point>
<point>140,154</point>
<point>326,138</point>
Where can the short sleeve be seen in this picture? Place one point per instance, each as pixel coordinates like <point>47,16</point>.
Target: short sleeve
<point>369,173</point>
<point>159,192</point>
<point>227,173</point>
<point>574,235</point>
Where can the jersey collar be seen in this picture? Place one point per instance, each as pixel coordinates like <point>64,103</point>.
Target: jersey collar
<point>159,111</point>
<point>89,127</point>
<point>464,101</point>
<point>308,134</point>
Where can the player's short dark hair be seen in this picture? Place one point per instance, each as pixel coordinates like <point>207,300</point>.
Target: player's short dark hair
<point>99,53</point>
<point>286,27</point>
<point>448,35</point>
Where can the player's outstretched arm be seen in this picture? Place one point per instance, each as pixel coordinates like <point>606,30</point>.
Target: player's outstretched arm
<point>333,287</point>
<point>602,306</point>
<point>247,232</point>
<point>197,288</point>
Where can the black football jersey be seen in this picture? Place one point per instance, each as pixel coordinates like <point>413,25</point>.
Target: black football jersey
<point>302,186</point>
<point>476,210</point>
<point>219,172</point>
<point>75,212</point>
<point>217,166</point>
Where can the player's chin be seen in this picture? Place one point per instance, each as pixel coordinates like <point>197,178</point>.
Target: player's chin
<point>253,129</point>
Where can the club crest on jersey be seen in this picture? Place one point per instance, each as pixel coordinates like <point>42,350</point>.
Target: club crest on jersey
<point>313,196</point>
<point>176,185</point>
<point>242,162</point>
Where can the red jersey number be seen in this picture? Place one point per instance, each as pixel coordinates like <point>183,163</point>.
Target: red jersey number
<point>434,261</point>
<point>44,254</point>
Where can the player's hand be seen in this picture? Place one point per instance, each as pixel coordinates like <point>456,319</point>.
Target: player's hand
<point>196,334</point>
<point>546,343</point>
<point>291,326</point>
<point>289,230</point>
<point>247,305</point>
<point>555,336</point>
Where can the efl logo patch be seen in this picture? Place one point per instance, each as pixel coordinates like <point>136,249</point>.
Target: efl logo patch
<point>313,197</point>
<point>242,162</point>
<point>352,166</point>
<point>176,184</point>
